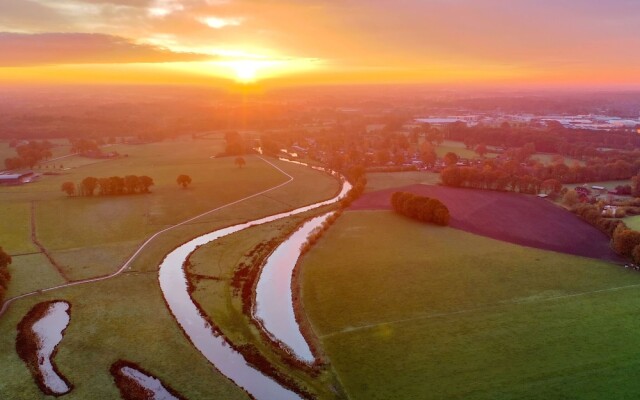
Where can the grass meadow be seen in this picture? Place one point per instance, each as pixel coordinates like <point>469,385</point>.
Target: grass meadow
<point>407,310</point>
<point>125,317</point>
<point>387,180</point>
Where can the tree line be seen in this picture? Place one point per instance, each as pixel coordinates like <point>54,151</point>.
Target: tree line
<point>5,276</point>
<point>30,154</point>
<point>624,241</point>
<point>554,139</point>
<point>115,185</point>
<point>421,208</point>
<point>513,176</point>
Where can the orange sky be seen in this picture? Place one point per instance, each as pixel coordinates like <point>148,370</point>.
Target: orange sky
<point>290,42</point>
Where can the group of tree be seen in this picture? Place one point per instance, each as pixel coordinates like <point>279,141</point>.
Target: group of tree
<point>552,139</point>
<point>492,179</point>
<point>624,241</point>
<point>29,154</point>
<point>83,145</point>
<point>514,176</point>
<point>5,276</point>
<point>112,186</point>
<point>235,144</point>
<point>421,208</point>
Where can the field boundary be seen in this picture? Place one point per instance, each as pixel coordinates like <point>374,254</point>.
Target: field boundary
<point>43,250</point>
<point>475,309</point>
<point>127,263</point>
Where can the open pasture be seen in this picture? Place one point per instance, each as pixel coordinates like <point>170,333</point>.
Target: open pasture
<point>408,310</point>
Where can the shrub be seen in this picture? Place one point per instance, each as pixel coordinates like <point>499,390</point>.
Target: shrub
<point>422,208</point>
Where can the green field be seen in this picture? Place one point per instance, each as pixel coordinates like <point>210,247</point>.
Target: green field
<point>125,317</point>
<point>548,159</point>
<point>386,180</point>
<point>93,236</point>
<point>460,149</point>
<point>633,222</point>
<point>417,311</point>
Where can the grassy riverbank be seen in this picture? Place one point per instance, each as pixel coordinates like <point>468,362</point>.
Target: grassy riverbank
<point>418,311</point>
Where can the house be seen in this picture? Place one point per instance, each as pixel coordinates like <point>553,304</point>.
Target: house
<point>18,178</point>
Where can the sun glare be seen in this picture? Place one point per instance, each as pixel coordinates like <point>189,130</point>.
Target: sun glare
<point>246,71</point>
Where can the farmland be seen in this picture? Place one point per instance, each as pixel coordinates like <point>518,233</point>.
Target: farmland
<point>94,241</point>
<point>417,311</point>
<point>516,218</point>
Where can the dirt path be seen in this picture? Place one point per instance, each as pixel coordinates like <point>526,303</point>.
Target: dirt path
<point>127,264</point>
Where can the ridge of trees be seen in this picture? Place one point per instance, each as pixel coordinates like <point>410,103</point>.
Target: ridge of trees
<point>421,208</point>
<point>5,275</point>
<point>112,186</point>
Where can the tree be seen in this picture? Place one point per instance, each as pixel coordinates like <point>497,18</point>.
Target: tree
<point>89,185</point>
<point>184,180</point>
<point>481,149</point>
<point>428,154</point>
<point>5,276</point>
<point>551,185</point>
<point>145,183</point>
<point>240,162</point>
<point>131,183</point>
<point>625,241</point>
<point>450,159</point>
<point>571,198</point>
<point>69,188</point>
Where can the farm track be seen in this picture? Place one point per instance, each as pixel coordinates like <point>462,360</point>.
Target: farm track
<point>127,263</point>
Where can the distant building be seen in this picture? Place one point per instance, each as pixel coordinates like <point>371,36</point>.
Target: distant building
<point>10,179</point>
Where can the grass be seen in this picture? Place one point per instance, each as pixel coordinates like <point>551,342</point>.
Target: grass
<point>93,236</point>
<point>546,158</point>
<point>387,180</point>
<point>418,311</point>
<point>125,317</point>
<point>15,237</point>
<point>32,272</point>
<point>121,318</point>
<point>460,149</point>
<point>633,222</point>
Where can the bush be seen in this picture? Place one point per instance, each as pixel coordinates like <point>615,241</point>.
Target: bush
<point>422,208</point>
<point>625,241</point>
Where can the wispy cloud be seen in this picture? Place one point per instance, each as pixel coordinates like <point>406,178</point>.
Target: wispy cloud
<point>219,22</point>
<point>81,48</point>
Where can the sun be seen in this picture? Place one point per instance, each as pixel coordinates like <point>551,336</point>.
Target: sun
<point>246,71</point>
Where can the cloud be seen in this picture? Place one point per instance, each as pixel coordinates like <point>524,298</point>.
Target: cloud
<point>219,23</point>
<point>20,49</point>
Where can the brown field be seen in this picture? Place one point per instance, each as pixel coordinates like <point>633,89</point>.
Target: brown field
<point>511,217</point>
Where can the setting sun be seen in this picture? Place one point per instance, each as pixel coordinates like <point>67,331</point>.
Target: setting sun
<point>246,71</point>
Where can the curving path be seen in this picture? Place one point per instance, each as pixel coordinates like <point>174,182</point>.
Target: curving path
<point>127,263</point>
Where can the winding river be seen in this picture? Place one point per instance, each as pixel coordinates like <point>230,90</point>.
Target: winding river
<point>274,297</point>
<point>215,347</point>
